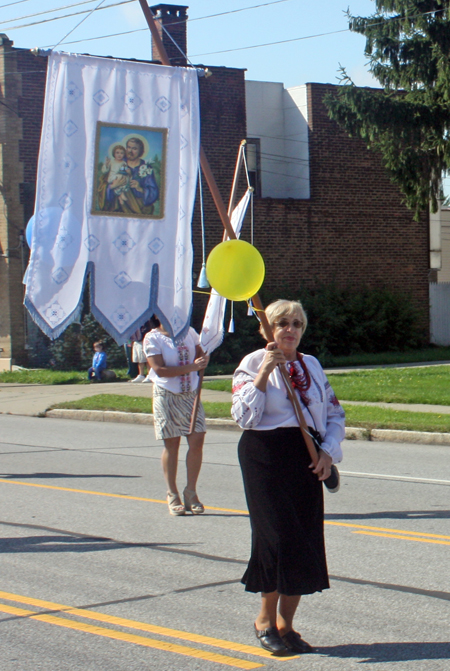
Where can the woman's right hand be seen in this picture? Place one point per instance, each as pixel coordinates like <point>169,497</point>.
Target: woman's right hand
<point>274,357</point>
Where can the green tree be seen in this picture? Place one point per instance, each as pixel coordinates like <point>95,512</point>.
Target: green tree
<point>408,50</point>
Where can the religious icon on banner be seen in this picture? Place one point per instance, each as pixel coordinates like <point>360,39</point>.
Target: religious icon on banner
<point>130,171</point>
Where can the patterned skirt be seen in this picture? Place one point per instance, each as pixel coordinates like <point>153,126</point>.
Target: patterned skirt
<point>172,413</point>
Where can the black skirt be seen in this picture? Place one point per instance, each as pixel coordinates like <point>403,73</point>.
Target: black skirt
<point>285,502</point>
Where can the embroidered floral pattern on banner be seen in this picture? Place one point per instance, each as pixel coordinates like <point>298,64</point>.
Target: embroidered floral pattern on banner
<point>115,191</point>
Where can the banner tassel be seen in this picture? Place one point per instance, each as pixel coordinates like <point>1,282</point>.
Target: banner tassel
<point>202,279</point>
<point>231,324</point>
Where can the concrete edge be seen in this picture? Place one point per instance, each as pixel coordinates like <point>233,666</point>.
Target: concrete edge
<point>423,437</point>
<point>126,417</point>
<point>351,433</point>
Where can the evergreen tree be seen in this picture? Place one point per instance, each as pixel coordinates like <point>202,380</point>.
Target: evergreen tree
<point>408,47</point>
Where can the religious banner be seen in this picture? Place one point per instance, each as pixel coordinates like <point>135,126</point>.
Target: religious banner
<point>115,191</point>
<point>212,332</point>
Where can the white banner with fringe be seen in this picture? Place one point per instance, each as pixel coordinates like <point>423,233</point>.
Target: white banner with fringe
<point>116,186</point>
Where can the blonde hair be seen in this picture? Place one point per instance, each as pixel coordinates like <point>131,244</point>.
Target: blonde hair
<point>284,308</point>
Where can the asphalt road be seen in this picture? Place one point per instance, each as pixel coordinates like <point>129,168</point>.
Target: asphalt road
<point>95,575</point>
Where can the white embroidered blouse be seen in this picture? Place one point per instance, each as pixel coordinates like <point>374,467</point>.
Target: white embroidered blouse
<point>183,354</point>
<point>263,411</point>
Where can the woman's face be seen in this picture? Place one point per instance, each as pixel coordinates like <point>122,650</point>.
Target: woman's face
<point>287,332</point>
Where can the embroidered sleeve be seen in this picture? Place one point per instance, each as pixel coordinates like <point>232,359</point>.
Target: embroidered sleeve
<point>248,401</point>
<point>335,428</point>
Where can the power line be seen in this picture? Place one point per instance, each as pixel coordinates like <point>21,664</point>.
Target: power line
<point>102,37</point>
<point>10,4</point>
<point>278,158</point>
<point>79,23</point>
<point>66,16</point>
<point>84,2</point>
<point>308,37</point>
<point>287,138</point>
<point>198,18</point>
<point>270,44</point>
<point>256,46</point>
<point>48,11</point>
<point>235,11</point>
<point>281,174</point>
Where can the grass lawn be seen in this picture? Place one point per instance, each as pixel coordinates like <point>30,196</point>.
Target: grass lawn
<point>429,385</point>
<point>384,358</point>
<point>362,416</point>
<point>130,404</point>
<point>47,376</point>
<point>217,385</point>
<point>370,417</point>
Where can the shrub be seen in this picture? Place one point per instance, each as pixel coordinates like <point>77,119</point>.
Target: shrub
<point>341,321</point>
<point>347,321</point>
<point>73,349</point>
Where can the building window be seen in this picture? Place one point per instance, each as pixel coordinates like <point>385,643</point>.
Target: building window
<point>253,154</point>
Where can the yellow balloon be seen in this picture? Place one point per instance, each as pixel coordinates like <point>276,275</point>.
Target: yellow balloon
<point>235,269</point>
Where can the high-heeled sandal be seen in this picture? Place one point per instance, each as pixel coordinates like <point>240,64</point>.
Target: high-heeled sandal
<point>176,508</point>
<point>191,505</point>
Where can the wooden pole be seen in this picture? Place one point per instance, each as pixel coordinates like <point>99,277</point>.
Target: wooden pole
<point>237,171</point>
<point>224,216</point>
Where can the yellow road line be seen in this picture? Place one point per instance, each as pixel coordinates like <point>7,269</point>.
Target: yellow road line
<point>108,494</point>
<point>228,510</point>
<point>142,626</point>
<point>387,529</point>
<point>404,538</point>
<point>132,638</point>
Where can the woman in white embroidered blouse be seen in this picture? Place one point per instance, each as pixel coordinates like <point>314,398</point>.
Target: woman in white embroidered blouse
<point>283,489</point>
<point>174,373</point>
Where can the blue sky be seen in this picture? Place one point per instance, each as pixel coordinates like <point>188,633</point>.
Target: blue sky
<point>314,59</point>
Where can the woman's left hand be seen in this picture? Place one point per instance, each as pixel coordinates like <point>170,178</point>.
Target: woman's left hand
<point>323,468</point>
<point>201,362</point>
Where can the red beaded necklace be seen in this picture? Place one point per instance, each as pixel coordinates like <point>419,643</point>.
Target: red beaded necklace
<point>300,381</point>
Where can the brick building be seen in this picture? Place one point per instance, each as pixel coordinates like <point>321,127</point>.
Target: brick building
<point>325,209</point>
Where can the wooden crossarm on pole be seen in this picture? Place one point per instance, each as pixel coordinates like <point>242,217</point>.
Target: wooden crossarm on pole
<point>224,216</point>
<point>237,172</point>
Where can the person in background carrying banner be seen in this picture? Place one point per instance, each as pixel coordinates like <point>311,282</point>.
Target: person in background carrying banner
<point>283,489</point>
<point>174,373</point>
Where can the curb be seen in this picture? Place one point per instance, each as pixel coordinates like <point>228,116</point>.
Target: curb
<point>351,433</point>
<point>126,417</point>
<point>410,436</point>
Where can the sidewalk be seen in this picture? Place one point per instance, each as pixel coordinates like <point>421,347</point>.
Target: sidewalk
<point>35,399</point>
